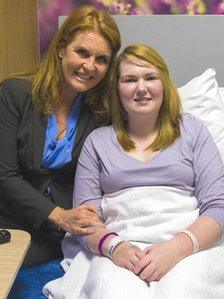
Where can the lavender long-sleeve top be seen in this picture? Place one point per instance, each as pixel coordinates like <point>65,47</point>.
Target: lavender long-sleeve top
<point>192,163</point>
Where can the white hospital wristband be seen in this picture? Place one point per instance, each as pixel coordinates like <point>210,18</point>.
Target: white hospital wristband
<point>193,239</point>
<point>112,244</point>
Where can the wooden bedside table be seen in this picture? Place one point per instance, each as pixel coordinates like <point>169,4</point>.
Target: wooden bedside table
<point>11,258</point>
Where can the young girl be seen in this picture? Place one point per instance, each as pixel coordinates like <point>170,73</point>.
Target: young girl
<point>157,179</point>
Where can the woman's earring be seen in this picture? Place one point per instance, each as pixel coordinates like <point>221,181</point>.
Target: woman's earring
<point>60,61</point>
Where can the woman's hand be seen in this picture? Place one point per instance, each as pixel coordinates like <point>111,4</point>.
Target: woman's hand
<point>80,220</point>
<point>126,255</point>
<point>160,258</point>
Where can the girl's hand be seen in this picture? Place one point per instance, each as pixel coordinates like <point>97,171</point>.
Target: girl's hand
<point>160,258</point>
<point>127,255</point>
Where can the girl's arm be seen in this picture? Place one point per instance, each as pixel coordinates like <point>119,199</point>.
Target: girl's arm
<point>206,231</point>
<point>88,190</point>
<point>160,258</point>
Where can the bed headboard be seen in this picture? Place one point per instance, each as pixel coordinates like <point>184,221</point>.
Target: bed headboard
<point>189,44</point>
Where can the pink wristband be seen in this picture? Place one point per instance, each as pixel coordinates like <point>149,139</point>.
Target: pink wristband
<point>193,239</point>
<point>102,241</point>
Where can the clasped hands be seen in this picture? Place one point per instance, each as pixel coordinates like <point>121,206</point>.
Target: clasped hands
<point>150,264</point>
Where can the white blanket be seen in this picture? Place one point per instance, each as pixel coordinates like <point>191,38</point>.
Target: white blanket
<point>144,215</point>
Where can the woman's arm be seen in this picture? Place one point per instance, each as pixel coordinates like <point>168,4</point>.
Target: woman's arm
<point>21,199</point>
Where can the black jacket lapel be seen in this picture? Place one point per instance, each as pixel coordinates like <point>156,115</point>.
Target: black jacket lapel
<point>39,128</point>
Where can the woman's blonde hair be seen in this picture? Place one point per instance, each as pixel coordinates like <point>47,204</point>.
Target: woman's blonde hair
<point>169,115</point>
<point>47,82</point>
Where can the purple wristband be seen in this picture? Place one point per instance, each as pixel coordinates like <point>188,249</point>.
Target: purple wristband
<point>102,241</point>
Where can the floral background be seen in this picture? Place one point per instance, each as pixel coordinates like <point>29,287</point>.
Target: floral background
<point>49,10</point>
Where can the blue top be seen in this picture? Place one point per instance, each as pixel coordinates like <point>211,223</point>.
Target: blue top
<point>59,152</point>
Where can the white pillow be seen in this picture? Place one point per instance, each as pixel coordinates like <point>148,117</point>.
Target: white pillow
<point>201,97</point>
<point>221,91</point>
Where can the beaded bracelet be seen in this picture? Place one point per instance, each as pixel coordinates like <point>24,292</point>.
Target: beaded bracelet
<point>193,239</point>
<point>100,245</point>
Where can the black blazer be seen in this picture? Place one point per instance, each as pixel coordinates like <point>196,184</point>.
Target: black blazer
<point>23,180</point>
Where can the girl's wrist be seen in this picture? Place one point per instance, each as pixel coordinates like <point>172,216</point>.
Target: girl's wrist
<point>117,246</point>
<point>103,242</point>
<point>193,239</point>
<point>108,243</point>
<point>187,248</point>
<point>183,244</point>
<point>113,244</point>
